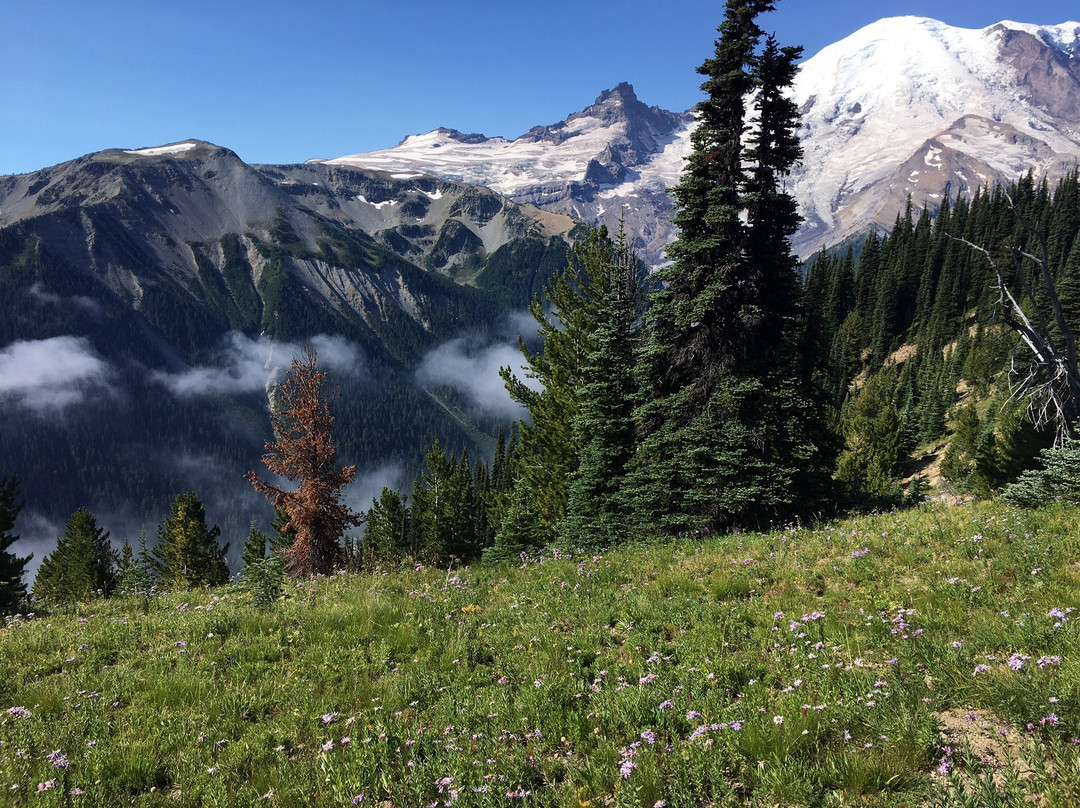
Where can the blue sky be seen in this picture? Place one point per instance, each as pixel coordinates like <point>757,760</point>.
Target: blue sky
<point>284,81</point>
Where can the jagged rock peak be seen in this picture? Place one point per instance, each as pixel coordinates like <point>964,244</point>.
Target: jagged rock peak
<point>623,92</point>
<point>461,137</point>
<point>619,103</point>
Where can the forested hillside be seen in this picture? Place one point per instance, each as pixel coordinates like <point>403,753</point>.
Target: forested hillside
<point>150,299</point>
<point>909,327</point>
<point>885,372</point>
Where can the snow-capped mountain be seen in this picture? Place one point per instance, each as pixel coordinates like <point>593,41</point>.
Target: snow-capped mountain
<point>905,105</point>
<point>910,105</point>
<point>616,157</point>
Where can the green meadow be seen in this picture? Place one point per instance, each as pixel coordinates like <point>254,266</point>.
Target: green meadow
<point>926,657</point>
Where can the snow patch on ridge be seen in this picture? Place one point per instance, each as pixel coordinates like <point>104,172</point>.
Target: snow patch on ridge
<point>157,151</point>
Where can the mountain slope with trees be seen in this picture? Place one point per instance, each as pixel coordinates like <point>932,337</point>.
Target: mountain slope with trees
<point>161,291</point>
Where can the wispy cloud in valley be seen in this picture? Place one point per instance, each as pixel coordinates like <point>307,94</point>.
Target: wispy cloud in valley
<point>474,371</point>
<point>245,365</point>
<point>48,375</point>
<point>86,304</point>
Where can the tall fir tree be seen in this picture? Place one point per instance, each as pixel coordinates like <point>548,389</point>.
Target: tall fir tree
<point>254,546</point>
<point>496,501</point>
<point>12,588</point>
<point>136,574</point>
<point>727,425</point>
<point>603,427</point>
<point>82,565</point>
<point>386,531</point>
<point>869,466</point>
<point>443,503</point>
<point>547,451</point>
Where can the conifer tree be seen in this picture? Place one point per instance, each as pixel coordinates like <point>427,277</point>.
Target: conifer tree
<point>187,554</point>
<point>958,463</point>
<point>603,427</point>
<point>497,497</point>
<point>728,432</point>
<point>483,532</point>
<point>386,531</point>
<point>841,297</point>
<point>1058,479</point>
<point>284,533</point>
<point>81,566</point>
<point>125,561</point>
<point>519,528</point>
<point>547,452</point>
<point>254,546</point>
<point>304,451</point>
<point>461,542</point>
<point>870,463</point>
<point>867,272</point>
<point>440,516</point>
<point>12,588</point>
<point>1069,287</point>
<point>845,356</point>
<point>135,573</point>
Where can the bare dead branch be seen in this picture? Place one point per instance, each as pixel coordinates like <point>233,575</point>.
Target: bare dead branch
<point>1050,382</point>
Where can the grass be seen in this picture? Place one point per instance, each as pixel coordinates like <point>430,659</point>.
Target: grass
<point>817,667</point>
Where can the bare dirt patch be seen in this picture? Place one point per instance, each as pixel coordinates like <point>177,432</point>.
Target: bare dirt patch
<point>992,742</point>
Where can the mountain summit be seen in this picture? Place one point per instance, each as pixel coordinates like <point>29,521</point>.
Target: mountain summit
<point>906,105</point>
<point>615,157</point>
<point>909,105</point>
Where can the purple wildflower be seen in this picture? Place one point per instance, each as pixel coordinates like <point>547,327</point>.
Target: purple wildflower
<point>946,761</point>
<point>58,759</point>
<point>1016,661</point>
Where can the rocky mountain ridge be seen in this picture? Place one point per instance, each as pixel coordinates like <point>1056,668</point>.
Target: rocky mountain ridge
<point>617,157</point>
<point>171,197</point>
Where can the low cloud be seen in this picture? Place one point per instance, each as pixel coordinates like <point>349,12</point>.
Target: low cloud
<point>523,324</point>
<point>37,538</point>
<point>368,485</point>
<point>87,304</point>
<point>47,375</point>
<point>475,372</point>
<point>245,365</point>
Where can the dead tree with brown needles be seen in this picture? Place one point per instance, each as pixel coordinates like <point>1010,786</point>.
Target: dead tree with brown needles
<point>304,450</point>
<point>1049,381</point>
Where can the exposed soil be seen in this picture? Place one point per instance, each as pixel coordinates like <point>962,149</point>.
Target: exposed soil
<point>990,741</point>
